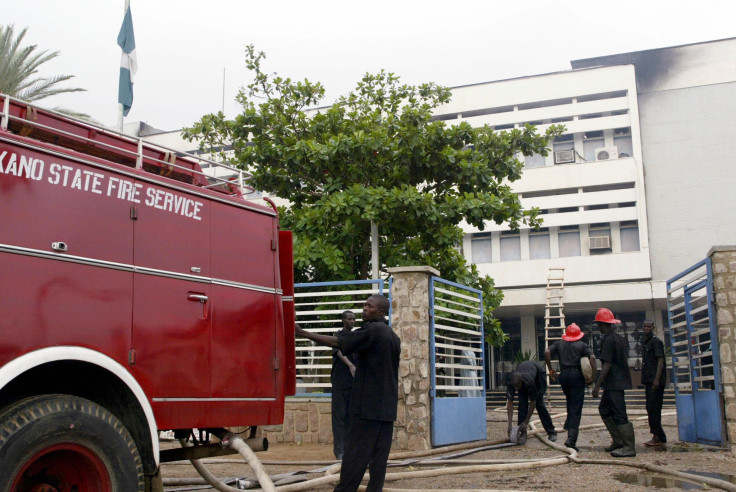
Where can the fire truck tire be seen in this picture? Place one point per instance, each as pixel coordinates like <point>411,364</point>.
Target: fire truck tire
<point>62,442</point>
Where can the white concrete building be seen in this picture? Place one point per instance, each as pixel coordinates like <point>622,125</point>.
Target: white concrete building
<point>637,189</point>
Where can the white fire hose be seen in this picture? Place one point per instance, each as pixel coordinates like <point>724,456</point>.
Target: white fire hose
<point>571,456</point>
<point>239,445</point>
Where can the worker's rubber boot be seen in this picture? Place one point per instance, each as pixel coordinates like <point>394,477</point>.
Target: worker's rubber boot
<point>626,432</point>
<point>615,435</point>
<point>572,439</point>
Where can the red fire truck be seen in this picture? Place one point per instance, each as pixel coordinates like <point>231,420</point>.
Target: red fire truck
<point>139,294</point>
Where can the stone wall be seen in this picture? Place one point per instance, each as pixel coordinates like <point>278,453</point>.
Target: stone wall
<point>723,260</point>
<point>306,420</point>
<point>410,321</point>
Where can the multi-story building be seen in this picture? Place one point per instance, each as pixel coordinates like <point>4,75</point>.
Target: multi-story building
<point>636,189</point>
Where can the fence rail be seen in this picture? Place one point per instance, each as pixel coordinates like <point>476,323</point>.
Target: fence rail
<point>691,325</point>
<point>457,339</point>
<point>318,308</point>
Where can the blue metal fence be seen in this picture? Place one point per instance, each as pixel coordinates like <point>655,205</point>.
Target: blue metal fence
<point>457,369</point>
<point>318,306</point>
<point>695,363</point>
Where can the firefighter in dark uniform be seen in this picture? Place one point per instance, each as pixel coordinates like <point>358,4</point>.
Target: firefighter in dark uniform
<point>341,377</point>
<point>614,378</point>
<point>375,397</point>
<point>569,351</point>
<point>654,379</point>
<point>531,383</point>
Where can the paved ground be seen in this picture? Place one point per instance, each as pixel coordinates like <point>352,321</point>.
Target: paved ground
<point>567,476</point>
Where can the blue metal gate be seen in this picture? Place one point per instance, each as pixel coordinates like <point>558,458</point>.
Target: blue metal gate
<point>458,398</point>
<point>696,372</point>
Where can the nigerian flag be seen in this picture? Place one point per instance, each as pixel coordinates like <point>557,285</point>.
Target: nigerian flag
<point>128,64</point>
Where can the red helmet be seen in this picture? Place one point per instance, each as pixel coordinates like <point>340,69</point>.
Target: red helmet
<point>606,316</point>
<point>572,333</point>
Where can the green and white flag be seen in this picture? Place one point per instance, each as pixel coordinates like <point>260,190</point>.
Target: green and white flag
<point>128,63</point>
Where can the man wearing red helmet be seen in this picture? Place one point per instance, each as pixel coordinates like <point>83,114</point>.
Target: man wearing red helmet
<point>614,378</point>
<point>569,351</point>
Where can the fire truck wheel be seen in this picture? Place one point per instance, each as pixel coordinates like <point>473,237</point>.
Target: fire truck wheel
<point>62,442</point>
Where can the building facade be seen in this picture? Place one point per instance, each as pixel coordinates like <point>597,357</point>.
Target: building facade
<point>630,193</point>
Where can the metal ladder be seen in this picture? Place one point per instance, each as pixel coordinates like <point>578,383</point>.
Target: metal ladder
<point>554,316</point>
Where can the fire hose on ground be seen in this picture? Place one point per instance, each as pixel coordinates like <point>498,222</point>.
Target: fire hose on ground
<point>241,447</point>
<point>442,456</point>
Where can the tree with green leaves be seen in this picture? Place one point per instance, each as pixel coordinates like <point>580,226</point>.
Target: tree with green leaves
<point>378,156</point>
<point>19,67</point>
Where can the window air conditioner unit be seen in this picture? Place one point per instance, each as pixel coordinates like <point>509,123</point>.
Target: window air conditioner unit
<point>600,242</point>
<point>605,153</point>
<point>564,156</point>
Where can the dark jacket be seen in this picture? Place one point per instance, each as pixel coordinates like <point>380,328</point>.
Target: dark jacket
<point>376,387</point>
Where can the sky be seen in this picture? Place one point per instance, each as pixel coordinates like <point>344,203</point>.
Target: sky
<point>191,53</point>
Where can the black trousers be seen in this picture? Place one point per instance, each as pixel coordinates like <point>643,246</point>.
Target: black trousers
<point>541,410</point>
<point>368,445</point>
<point>340,420</point>
<point>613,404</point>
<point>573,385</point>
<point>654,410</point>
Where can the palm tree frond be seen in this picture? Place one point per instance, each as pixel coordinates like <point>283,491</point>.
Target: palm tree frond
<point>76,114</point>
<point>19,68</point>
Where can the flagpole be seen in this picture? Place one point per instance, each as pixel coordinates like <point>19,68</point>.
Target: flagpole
<point>120,118</point>
<point>126,5</point>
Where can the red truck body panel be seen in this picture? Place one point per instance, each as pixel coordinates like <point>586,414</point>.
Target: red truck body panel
<point>178,282</point>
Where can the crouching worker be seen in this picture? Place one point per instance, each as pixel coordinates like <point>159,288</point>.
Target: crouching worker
<point>375,394</point>
<point>530,382</point>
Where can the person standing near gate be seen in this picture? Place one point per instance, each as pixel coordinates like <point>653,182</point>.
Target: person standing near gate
<point>570,350</point>
<point>375,396</point>
<point>343,372</point>
<point>614,378</point>
<point>654,378</point>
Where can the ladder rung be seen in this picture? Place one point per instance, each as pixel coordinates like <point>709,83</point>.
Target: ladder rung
<point>555,293</point>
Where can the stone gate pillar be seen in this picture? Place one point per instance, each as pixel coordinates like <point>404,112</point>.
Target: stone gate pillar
<point>723,259</point>
<point>410,321</point>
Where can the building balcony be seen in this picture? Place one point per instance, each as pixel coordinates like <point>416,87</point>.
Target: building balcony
<point>620,267</point>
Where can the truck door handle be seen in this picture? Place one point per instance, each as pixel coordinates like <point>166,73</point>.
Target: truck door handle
<point>60,246</point>
<point>198,297</point>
